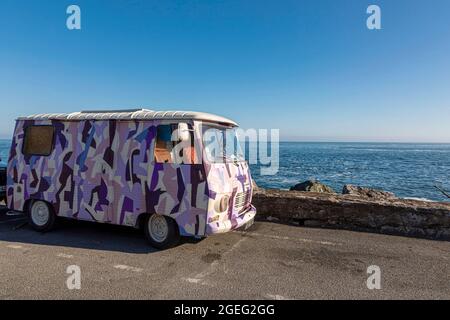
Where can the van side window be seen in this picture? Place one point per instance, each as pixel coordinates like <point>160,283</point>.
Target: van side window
<point>38,140</point>
<point>165,148</point>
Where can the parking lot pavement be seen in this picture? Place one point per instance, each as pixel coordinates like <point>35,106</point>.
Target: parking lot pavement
<point>269,261</point>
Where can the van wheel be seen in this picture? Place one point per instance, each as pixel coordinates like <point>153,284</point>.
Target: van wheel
<point>41,216</point>
<point>161,231</point>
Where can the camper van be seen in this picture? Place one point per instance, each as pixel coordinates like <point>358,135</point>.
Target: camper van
<point>172,173</point>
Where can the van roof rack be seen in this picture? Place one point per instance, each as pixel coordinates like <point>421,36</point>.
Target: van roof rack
<point>114,111</point>
<point>132,114</point>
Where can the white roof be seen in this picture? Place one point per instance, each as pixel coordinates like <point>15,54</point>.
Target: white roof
<point>133,114</point>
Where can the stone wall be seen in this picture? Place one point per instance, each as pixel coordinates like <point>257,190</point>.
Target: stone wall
<point>388,216</point>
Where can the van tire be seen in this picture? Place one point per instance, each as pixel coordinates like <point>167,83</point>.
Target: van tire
<point>41,216</point>
<point>162,232</point>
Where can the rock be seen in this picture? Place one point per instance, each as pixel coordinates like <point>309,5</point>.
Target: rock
<point>312,186</point>
<point>313,223</point>
<point>269,218</point>
<point>367,192</point>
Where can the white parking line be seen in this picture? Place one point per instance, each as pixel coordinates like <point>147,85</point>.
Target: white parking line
<point>327,243</point>
<point>127,268</point>
<point>63,255</point>
<point>192,280</point>
<point>13,246</point>
<point>199,278</point>
<point>276,297</point>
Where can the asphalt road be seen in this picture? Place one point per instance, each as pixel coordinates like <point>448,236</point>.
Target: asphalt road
<point>269,261</point>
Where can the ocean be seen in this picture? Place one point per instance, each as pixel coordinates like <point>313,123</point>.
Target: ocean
<point>408,170</point>
<point>5,145</point>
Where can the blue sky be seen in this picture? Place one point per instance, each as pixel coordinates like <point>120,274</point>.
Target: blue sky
<point>309,68</point>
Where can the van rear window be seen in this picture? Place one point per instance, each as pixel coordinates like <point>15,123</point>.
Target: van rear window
<point>38,140</point>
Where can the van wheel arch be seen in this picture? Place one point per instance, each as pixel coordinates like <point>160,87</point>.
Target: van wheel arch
<point>27,206</point>
<point>141,220</point>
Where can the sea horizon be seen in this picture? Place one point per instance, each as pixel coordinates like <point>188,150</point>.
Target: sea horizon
<point>363,142</point>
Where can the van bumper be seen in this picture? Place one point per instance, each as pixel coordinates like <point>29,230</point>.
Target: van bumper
<point>245,220</point>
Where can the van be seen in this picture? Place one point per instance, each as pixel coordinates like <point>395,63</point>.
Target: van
<point>172,173</point>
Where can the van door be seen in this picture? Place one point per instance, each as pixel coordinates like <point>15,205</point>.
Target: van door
<point>131,178</point>
<point>93,174</point>
<point>181,179</point>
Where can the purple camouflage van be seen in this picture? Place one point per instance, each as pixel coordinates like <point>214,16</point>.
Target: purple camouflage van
<point>171,173</point>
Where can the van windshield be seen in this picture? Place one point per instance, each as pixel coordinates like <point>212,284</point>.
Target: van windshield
<point>222,144</point>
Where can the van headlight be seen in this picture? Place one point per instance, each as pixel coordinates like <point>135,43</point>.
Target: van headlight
<point>221,205</point>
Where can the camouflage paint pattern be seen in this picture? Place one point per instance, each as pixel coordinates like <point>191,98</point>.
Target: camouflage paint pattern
<point>104,171</point>
<point>233,180</point>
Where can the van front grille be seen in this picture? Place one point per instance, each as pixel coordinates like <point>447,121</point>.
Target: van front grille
<point>241,201</point>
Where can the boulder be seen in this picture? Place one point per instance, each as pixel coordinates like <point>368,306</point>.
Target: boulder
<point>312,186</point>
<point>367,192</point>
